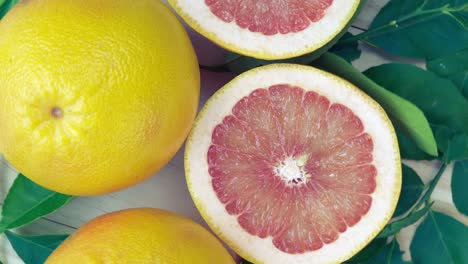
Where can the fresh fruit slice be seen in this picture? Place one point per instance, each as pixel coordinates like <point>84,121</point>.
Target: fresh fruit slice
<point>141,235</point>
<point>268,29</point>
<point>291,164</point>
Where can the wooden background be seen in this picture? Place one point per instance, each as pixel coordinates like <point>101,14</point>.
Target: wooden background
<point>167,189</point>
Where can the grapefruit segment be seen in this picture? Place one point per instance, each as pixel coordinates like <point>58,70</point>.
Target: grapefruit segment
<point>270,17</point>
<point>359,179</point>
<point>289,164</point>
<point>356,151</point>
<point>268,29</point>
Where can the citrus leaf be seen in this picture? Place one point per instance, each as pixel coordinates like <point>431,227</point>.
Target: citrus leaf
<point>367,253</point>
<point>441,102</point>
<point>409,149</point>
<point>461,81</point>
<point>453,144</point>
<point>419,28</point>
<point>349,52</point>
<point>389,254</point>
<point>27,201</point>
<point>440,239</point>
<point>6,6</point>
<point>395,227</point>
<point>411,190</point>
<point>34,249</point>
<point>453,67</point>
<point>379,252</point>
<point>459,184</point>
<point>405,115</point>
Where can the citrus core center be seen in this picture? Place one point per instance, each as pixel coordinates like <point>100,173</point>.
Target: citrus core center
<point>56,112</point>
<point>292,171</point>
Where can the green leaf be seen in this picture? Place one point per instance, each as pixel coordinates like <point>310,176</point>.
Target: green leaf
<point>395,227</point>
<point>367,253</point>
<point>461,81</point>
<point>420,28</point>
<point>459,184</point>
<point>379,252</point>
<point>34,249</point>
<point>440,239</point>
<point>405,115</point>
<point>453,144</point>
<point>389,254</point>
<point>453,67</point>
<point>409,149</point>
<point>5,6</point>
<point>349,52</point>
<point>441,102</point>
<point>412,188</point>
<point>243,261</point>
<point>27,201</point>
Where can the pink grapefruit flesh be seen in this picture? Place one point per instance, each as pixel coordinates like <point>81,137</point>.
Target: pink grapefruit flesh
<point>270,17</point>
<point>268,29</point>
<point>291,165</point>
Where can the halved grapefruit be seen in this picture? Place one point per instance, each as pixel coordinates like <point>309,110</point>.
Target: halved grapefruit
<point>268,29</point>
<point>291,164</point>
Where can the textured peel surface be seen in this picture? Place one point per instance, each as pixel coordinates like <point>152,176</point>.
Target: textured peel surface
<point>142,235</point>
<point>96,95</point>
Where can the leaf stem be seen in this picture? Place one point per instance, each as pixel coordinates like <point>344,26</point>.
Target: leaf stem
<point>390,254</point>
<point>419,12</point>
<point>425,198</point>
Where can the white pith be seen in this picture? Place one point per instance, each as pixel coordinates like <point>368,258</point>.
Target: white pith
<point>376,124</point>
<point>229,35</point>
<point>292,171</point>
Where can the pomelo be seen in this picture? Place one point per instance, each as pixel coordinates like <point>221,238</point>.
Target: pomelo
<point>291,164</point>
<point>96,95</point>
<point>268,29</point>
<point>141,235</point>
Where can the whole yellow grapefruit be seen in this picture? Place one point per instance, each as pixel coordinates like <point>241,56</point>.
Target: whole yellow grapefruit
<point>96,95</point>
<point>143,236</point>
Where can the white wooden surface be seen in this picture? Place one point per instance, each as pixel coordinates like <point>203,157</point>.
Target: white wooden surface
<point>167,189</point>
